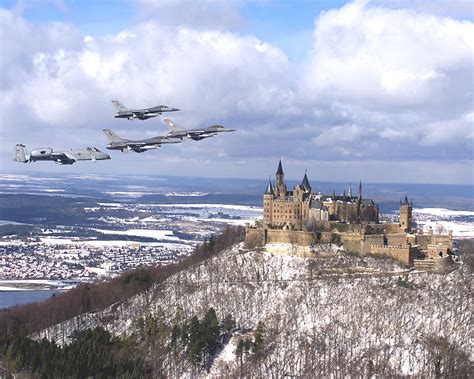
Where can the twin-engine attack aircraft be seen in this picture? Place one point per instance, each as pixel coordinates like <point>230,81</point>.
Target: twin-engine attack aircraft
<point>141,114</point>
<point>59,157</point>
<point>139,146</point>
<point>195,134</point>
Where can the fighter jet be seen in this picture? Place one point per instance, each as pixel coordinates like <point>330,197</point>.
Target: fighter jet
<point>139,146</point>
<point>59,157</point>
<point>194,134</point>
<point>141,114</point>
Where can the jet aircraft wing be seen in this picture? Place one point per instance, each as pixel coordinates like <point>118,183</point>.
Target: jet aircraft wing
<point>64,158</point>
<point>196,132</point>
<point>135,144</point>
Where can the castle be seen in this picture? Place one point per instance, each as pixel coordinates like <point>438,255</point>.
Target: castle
<point>302,209</point>
<point>304,218</point>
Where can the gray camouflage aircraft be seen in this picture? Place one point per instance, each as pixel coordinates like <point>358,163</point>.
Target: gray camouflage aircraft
<point>141,114</point>
<point>194,134</point>
<point>59,157</point>
<point>139,146</point>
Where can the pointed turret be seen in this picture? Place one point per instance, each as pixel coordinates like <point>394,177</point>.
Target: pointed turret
<point>280,169</point>
<point>360,190</point>
<point>349,193</point>
<point>280,181</point>
<point>305,183</point>
<point>269,190</point>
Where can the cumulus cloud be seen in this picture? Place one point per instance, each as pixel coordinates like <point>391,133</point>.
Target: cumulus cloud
<point>384,58</point>
<point>381,84</point>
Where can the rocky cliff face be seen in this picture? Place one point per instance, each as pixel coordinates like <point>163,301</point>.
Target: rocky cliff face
<point>334,314</point>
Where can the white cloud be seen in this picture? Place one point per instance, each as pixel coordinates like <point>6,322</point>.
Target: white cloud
<point>382,84</point>
<point>384,58</point>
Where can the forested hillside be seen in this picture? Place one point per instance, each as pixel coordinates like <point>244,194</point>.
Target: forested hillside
<point>253,313</point>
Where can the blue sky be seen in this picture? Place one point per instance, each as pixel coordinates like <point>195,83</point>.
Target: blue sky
<point>378,90</point>
<point>278,22</point>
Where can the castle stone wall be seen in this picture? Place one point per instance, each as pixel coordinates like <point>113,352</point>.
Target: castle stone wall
<point>360,244</point>
<point>445,240</point>
<point>290,236</point>
<point>254,237</point>
<point>369,240</point>
<point>423,240</point>
<point>436,264</point>
<point>399,239</point>
<point>403,254</point>
<point>351,242</point>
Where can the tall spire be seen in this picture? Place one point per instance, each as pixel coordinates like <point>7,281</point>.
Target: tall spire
<point>280,181</point>
<point>269,190</point>
<point>280,169</point>
<point>305,182</point>
<point>360,190</point>
<point>349,193</point>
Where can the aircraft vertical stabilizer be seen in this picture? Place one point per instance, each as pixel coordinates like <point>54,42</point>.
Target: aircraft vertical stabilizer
<point>19,154</point>
<point>171,124</point>
<point>111,136</point>
<point>120,107</point>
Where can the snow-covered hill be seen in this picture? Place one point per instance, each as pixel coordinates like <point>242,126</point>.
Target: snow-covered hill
<point>335,314</point>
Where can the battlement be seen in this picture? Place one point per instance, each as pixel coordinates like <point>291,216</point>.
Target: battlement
<point>404,254</point>
<point>435,245</point>
<point>389,247</point>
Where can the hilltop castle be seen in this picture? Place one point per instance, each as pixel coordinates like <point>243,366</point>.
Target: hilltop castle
<point>304,218</point>
<point>302,209</point>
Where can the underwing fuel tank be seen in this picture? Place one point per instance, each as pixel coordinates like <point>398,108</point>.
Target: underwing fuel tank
<point>44,152</point>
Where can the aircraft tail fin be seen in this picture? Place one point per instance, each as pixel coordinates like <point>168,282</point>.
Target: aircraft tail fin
<point>171,125</point>
<point>111,136</point>
<point>120,107</point>
<point>19,153</point>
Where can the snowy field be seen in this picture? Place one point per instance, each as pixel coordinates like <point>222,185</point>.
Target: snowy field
<point>460,222</point>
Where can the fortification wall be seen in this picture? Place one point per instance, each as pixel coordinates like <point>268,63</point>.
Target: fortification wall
<point>351,242</point>
<point>423,240</point>
<point>399,239</point>
<point>297,237</point>
<point>254,237</point>
<point>444,239</point>
<point>442,264</point>
<point>369,240</point>
<point>436,264</point>
<point>403,254</point>
<point>360,244</point>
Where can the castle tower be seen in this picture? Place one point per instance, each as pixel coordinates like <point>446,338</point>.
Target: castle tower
<point>305,183</point>
<point>405,214</point>
<point>280,181</point>
<point>268,203</point>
